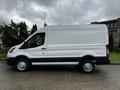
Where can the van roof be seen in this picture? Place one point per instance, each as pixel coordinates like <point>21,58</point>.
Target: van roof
<point>75,27</point>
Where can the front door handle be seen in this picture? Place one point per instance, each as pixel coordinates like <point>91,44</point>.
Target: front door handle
<point>43,48</point>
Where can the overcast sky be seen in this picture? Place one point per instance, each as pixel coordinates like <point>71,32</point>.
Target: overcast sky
<point>58,11</point>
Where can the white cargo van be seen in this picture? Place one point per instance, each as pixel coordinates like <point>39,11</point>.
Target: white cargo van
<point>83,46</point>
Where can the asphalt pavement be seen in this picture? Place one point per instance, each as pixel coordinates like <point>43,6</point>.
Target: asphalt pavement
<point>105,77</point>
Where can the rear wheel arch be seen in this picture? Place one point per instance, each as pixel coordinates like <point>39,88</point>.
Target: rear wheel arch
<point>88,62</point>
<point>88,57</point>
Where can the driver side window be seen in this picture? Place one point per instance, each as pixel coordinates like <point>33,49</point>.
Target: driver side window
<point>35,41</point>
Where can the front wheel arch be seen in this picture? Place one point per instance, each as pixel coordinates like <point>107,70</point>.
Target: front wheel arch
<point>22,65</point>
<point>23,57</point>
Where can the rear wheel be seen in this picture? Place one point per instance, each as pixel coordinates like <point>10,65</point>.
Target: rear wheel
<point>22,65</point>
<point>87,66</point>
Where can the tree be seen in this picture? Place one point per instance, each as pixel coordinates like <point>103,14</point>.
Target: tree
<point>9,37</point>
<point>13,34</point>
<point>22,31</point>
<point>34,28</point>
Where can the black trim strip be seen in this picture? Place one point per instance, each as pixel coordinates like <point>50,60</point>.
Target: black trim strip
<point>61,59</point>
<point>98,60</point>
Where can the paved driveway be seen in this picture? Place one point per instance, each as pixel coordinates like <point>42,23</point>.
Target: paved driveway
<point>106,77</point>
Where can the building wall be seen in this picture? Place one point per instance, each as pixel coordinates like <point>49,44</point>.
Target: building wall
<point>118,30</point>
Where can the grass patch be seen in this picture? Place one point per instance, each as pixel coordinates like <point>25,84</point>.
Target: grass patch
<point>2,55</point>
<point>115,57</point>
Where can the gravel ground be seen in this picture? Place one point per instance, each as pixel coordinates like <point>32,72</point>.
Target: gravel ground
<point>105,77</point>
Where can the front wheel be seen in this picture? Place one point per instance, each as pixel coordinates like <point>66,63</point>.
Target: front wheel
<point>22,65</point>
<point>87,66</point>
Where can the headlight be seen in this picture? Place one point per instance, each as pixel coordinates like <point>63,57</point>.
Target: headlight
<point>11,50</point>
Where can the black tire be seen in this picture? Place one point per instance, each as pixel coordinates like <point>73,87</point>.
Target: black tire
<point>22,65</point>
<point>87,66</point>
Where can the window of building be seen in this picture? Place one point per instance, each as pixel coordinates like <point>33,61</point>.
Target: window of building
<point>115,25</point>
<point>112,25</point>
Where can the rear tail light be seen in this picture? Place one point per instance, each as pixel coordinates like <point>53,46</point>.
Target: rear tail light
<point>107,50</point>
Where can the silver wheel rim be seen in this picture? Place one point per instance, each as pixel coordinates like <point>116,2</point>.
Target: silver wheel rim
<point>21,65</point>
<point>88,67</point>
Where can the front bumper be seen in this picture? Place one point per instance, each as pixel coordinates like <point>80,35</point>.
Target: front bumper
<point>10,61</point>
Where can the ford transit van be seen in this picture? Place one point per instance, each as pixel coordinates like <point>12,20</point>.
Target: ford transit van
<point>83,46</point>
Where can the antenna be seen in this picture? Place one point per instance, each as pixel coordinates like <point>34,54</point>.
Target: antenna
<point>45,24</point>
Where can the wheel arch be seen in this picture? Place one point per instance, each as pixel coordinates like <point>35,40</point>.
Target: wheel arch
<point>22,56</point>
<point>88,57</point>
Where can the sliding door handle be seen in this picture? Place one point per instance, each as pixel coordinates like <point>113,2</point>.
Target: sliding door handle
<point>43,48</point>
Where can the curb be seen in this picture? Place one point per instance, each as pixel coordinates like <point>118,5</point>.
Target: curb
<point>114,63</point>
<point>2,61</point>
